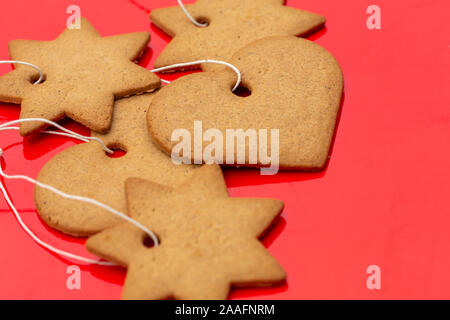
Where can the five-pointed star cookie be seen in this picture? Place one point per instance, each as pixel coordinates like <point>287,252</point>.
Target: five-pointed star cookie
<point>83,73</point>
<point>232,25</point>
<point>208,241</point>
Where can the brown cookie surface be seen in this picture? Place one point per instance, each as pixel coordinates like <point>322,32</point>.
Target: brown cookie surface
<point>296,87</point>
<point>208,241</point>
<point>83,73</point>
<point>86,170</point>
<point>232,25</point>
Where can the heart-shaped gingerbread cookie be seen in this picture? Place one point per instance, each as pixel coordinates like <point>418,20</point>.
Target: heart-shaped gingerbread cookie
<point>296,88</point>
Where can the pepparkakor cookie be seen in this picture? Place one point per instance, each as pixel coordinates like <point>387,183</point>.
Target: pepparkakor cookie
<point>208,241</point>
<point>86,170</point>
<point>296,87</point>
<point>83,73</point>
<point>232,25</point>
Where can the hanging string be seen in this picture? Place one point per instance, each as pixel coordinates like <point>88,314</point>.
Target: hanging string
<point>193,63</point>
<point>41,74</point>
<point>195,22</point>
<point>67,132</point>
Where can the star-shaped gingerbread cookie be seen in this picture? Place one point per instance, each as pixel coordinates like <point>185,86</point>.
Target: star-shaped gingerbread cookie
<point>83,74</point>
<point>208,241</point>
<point>232,25</point>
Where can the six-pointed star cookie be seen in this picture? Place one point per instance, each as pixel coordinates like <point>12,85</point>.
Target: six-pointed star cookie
<point>232,25</point>
<point>208,241</point>
<point>83,73</point>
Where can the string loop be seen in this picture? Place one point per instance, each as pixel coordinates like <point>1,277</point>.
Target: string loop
<point>193,63</point>
<point>195,22</point>
<point>178,65</point>
<point>41,74</point>
<point>67,132</point>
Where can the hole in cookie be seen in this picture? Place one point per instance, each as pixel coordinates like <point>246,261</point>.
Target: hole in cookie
<point>242,91</point>
<point>35,78</point>
<point>118,152</point>
<point>204,21</point>
<point>148,242</point>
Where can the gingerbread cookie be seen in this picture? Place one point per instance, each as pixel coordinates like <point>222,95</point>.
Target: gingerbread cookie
<point>208,241</point>
<point>86,170</point>
<point>232,24</point>
<point>83,73</point>
<point>296,88</point>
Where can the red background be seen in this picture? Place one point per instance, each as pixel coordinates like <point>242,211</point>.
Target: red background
<point>382,200</point>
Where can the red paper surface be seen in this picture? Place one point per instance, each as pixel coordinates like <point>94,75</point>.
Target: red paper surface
<point>383,199</point>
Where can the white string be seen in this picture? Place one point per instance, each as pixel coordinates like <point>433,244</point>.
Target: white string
<point>193,63</point>
<point>70,133</point>
<point>67,196</point>
<point>41,74</point>
<point>165,81</point>
<point>197,24</point>
<point>50,132</point>
<point>44,244</point>
<point>57,133</point>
